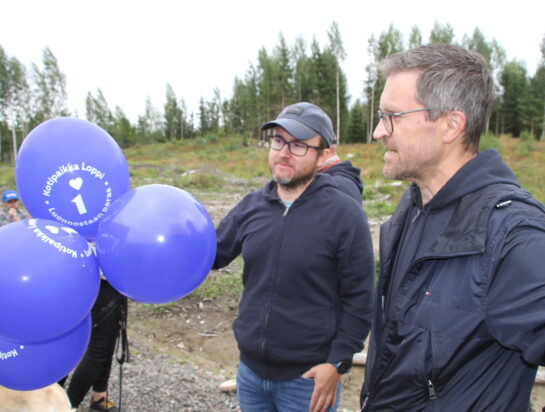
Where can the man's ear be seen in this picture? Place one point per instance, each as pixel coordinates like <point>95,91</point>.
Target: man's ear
<point>455,126</point>
<point>324,155</point>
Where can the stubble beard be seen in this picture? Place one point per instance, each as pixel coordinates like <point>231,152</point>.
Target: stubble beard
<point>292,183</point>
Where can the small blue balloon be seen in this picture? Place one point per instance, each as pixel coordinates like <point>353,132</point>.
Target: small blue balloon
<point>70,170</point>
<point>49,280</point>
<point>29,366</point>
<point>156,244</point>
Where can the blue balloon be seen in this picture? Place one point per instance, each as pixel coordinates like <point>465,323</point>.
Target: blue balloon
<point>29,366</point>
<point>49,280</point>
<point>156,244</point>
<point>70,170</point>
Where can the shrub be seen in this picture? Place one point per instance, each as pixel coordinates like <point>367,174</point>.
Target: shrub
<point>490,141</point>
<point>526,144</point>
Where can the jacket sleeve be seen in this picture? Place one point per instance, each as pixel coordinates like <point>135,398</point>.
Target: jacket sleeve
<point>515,306</point>
<point>228,239</point>
<point>357,279</point>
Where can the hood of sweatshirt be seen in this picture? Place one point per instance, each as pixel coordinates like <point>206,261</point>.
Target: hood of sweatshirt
<point>483,170</point>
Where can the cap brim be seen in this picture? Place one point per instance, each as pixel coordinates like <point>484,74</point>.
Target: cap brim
<point>294,127</point>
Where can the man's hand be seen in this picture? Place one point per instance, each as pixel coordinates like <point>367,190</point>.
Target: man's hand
<point>326,380</point>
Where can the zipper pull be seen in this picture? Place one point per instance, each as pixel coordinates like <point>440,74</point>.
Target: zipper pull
<point>416,216</point>
<point>431,390</point>
<point>501,205</point>
<point>364,404</point>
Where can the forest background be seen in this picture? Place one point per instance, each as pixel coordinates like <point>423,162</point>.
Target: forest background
<point>284,75</point>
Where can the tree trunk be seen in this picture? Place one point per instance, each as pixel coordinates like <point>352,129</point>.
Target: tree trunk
<point>14,138</point>
<point>371,116</point>
<point>543,125</point>
<point>338,110</point>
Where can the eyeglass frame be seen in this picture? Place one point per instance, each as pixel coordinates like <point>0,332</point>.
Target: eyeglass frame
<point>307,146</point>
<point>381,116</point>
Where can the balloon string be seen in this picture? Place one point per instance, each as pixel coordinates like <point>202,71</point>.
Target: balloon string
<point>123,343</point>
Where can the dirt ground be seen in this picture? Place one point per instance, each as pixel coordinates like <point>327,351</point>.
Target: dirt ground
<point>199,330</point>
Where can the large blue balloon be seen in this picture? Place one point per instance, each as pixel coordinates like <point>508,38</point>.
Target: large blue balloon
<point>156,244</point>
<point>70,170</point>
<point>25,367</point>
<point>49,280</point>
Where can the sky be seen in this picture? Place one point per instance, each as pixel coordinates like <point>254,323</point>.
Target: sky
<point>131,49</point>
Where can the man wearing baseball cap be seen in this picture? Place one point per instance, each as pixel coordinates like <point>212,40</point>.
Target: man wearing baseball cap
<point>10,211</point>
<point>308,272</point>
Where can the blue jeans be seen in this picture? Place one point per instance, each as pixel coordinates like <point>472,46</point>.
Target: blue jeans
<point>255,394</point>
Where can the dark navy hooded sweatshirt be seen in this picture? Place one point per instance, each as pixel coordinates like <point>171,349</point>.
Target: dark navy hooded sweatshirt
<point>460,316</point>
<point>308,278</point>
<point>347,178</point>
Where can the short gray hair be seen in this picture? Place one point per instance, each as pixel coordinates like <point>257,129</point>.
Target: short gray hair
<point>450,78</point>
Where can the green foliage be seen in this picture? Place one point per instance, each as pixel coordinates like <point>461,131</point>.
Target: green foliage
<point>441,33</point>
<point>490,141</point>
<point>526,136</point>
<point>526,145</point>
<point>199,180</point>
<point>379,208</point>
<point>357,127</point>
<point>7,176</point>
<point>220,283</point>
<point>514,81</point>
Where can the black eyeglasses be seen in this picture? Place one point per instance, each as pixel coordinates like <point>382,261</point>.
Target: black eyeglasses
<point>296,148</point>
<point>387,121</point>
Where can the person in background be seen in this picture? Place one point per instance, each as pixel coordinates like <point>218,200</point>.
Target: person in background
<point>346,176</point>
<point>11,210</point>
<point>460,309</point>
<point>308,273</point>
<point>93,371</point>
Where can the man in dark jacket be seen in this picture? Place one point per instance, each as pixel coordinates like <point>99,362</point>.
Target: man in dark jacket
<point>346,177</point>
<point>460,313</point>
<point>308,273</point>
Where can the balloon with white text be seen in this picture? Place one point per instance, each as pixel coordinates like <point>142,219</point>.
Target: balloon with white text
<point>49,280</point>
<point>70,170</point>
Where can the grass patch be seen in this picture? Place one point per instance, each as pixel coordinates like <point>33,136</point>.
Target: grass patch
<point>490,141</point>
<point>220,284</point>
<point>379,208</point>
<point>7,176</point>
<point>199,180</point>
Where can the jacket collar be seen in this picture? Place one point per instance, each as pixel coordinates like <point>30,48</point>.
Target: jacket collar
<point>318,182</point>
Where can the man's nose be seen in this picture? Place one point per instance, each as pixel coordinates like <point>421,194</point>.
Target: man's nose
<point>380,131</point>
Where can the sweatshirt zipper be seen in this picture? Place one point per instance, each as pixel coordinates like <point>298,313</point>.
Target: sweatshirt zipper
<point>266,321</point>
<point>431,390</point>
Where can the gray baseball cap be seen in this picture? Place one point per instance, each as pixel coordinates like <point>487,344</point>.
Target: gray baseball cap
<point>304,121</point>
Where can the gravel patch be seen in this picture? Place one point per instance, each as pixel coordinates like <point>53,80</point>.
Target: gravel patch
<point>155,382</point>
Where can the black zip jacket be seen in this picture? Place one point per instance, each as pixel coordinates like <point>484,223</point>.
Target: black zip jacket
<point>465,328</point>
<point>347,179</point>
<point>308,278</point>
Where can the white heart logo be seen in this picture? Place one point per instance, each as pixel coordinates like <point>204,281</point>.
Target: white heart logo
<point>69,230</point>
<point>52,229</point>
<point>76,183</point>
